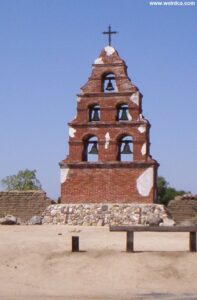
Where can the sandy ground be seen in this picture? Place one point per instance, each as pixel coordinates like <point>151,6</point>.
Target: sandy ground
<point>36,264</point>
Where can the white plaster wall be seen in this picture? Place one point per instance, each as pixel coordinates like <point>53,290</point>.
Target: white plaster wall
<point>129,116</point>
<point>145,182</point>
<point>107,139</point>
<point>78,99</point>
<point>63,174</point>
<point>109,50</point>
<point>71,131</point>
<point>143,149</point>
<point>135,98</point>
<point>142,128</point>
<point>99,60</point>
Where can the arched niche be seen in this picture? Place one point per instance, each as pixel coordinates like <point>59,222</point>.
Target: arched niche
<point>125,148</point>
<point>109,83</point>
<point>94,113</point>
<point>90,149</point>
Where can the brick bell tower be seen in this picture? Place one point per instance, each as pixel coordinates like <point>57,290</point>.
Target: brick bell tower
<point>109,149</point>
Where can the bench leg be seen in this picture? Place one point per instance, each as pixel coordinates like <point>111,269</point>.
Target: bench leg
<point>75,244</point>
<point>192,242</point>
<point>130,241</point>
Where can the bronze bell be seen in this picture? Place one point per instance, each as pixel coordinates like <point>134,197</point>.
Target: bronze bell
<point>109,86</point>
<point>124,116</point>
<point>95,116</point>
<point>126,149</point>
<point>94,149</point>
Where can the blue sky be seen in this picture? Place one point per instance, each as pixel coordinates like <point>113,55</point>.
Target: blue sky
<point>47,48</point>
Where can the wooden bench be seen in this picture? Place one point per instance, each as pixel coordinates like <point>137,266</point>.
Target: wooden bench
<point>131,229</point>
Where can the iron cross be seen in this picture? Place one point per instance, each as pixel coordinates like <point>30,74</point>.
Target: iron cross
<point>109,32</point>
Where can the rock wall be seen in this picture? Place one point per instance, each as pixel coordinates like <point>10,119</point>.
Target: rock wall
<point>23,204</point>
<point>184,209</point>
<point>104,214</point>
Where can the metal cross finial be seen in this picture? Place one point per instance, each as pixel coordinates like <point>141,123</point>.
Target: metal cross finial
<point>109,32</point>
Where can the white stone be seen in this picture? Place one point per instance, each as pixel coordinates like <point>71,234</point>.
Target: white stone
<point>135,98</point>
<point>109,50</point>
<point>145,182</point>
<point>71,131</point>
<point>99,60</point>
<point>143,150</point>
<point>142,128</point>
<point>167,222</point>
<point>107,139</point>
<point>63,174</point>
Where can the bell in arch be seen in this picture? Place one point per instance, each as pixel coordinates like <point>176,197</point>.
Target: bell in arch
<point>95,116</point>
<point>126,149</point>
<point>124,116</point>
<point>94,149</point>
<point>109,86</point>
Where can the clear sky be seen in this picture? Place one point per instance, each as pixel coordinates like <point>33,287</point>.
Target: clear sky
<point>46,51</point>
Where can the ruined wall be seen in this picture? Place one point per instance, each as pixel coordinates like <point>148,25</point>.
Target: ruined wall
<point>184,209</point>
<point>23,204</point>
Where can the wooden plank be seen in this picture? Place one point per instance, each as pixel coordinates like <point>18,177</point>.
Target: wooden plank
<point>130,241</point>
<point>154,228</point>
<point>192,242</point>
<point>75,244</point>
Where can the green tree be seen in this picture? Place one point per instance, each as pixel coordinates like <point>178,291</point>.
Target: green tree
<point>23,180</point>
<point>165,192</point>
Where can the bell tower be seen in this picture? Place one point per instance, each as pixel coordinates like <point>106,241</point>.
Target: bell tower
<point>109,149</point>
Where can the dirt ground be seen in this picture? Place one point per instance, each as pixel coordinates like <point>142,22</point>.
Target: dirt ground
<point>36,264</point>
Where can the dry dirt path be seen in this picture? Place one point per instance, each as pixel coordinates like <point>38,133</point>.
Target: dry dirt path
<point>36,264</point>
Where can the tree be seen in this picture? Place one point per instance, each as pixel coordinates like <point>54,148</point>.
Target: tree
<point>165,193</point>
<point>23,180</point>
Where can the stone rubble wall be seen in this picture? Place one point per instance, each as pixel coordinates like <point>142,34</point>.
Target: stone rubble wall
<point>184,209</point>
<point>103,214</point>
<point>23,204</point>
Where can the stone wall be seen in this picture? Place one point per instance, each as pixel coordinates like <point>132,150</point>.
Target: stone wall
<point>23,204</point>
<point>184,209</point>
<point>104,214</point>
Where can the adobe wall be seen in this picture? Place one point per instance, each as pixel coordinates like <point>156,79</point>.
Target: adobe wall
<point>23,204</point>
<point>184,209</point>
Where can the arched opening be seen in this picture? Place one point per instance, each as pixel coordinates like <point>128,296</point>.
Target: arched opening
<point>125,148</point>
<point>94,113</point>
<point>122,112</point>
<point>109,83</point>
<point>90,149</point>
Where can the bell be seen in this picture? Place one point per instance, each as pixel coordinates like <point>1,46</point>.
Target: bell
<point>124,116</point>
<point>95,116</point>
<point>126,149</point>
<point>109,86</point>
<point>94,149</point>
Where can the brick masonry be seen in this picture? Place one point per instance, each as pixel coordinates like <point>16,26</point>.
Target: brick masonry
<point>109,179</point>
<point>23,204</point>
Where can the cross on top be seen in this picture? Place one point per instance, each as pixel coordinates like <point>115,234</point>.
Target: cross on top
<point>109,32</point>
